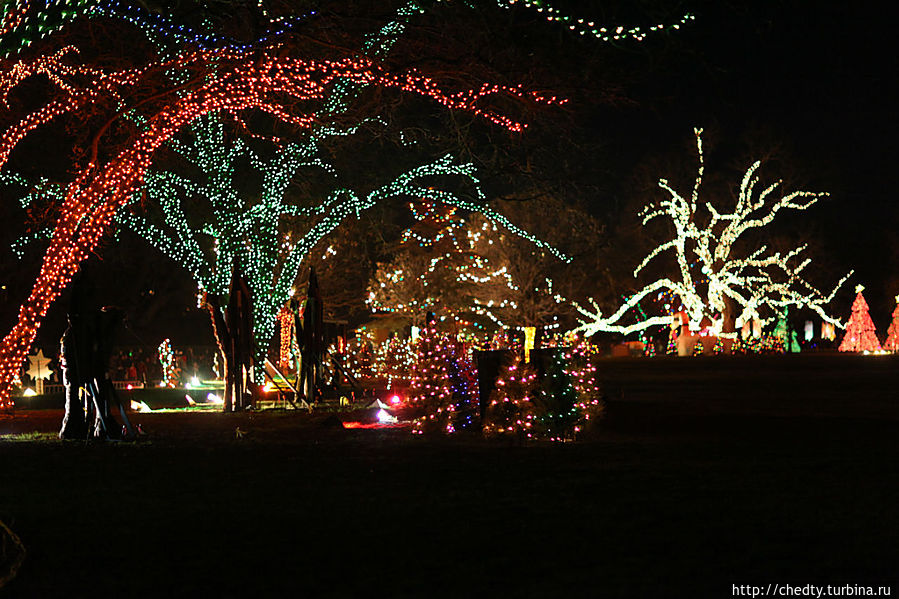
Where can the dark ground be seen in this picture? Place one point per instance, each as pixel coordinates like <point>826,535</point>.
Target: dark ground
<point>707,473</point>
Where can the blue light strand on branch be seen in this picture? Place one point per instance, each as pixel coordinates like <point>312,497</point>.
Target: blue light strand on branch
<point>32,20</point>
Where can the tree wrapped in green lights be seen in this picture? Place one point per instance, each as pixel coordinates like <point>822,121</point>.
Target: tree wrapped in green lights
<point>239,81</point>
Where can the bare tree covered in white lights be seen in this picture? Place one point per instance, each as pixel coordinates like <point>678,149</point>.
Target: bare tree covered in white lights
<point>713,275</point>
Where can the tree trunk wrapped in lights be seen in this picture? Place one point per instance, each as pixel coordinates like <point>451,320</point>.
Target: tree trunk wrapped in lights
<point>756,285</point>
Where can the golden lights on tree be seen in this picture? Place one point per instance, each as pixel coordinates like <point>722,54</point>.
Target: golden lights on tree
<point>757,286</point>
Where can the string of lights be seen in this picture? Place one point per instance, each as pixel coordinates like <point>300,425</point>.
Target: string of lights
<point>28,21</point>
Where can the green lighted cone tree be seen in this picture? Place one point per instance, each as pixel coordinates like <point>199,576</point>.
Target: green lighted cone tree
<point>757,284</point>
<point>861,335</point>
<point>559,414</point>
<point>892,340</point>
<point>788,334</point>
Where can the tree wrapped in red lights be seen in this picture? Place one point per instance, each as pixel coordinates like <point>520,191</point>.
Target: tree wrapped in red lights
<point>892,341</point>
<point>861,335</point>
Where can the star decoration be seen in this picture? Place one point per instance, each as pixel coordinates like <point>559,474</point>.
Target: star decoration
<point>859,288</point>
<point>38,367</point>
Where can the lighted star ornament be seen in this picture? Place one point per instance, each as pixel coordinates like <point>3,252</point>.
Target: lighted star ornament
<point>39,370</point>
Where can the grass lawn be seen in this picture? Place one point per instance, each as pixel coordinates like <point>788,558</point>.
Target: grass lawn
<point>706,473</point>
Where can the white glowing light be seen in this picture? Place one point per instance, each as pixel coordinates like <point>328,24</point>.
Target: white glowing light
<point>139,406</point>
<point>386,417</point>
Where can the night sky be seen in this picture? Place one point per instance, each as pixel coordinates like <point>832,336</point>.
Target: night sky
<point>811,80</point>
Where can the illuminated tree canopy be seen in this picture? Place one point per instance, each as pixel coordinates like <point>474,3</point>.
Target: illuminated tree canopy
<point>215,75</point>
<point>468,269</point>
<point>729,285</point>
<point>241,81</point>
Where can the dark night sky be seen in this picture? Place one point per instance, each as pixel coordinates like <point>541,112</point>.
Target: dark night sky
<point>818,76</point>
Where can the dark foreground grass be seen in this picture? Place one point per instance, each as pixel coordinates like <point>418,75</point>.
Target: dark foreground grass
<point>678,496</point>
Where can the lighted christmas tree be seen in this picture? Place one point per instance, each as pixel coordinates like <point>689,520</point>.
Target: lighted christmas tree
<point>861,335</point>
<point>892,340</point>
<point>442,386</point>
<point>788,334</point>
<point>510,408</point>
<point>461,267</point>
<point>558,401</point>
<point>167,360</point>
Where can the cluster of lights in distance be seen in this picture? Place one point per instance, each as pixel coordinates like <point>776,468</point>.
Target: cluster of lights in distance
<point>167,361</point>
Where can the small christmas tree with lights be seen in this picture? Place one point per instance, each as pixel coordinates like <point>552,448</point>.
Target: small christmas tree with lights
<point>167,360</point>
<point>892,340</point>
<point>860,332</point>
<point>510,408</point>
<point>672,340</point>
<point>442,383</point>
<point>788,334</point>
<point>582,369</point>
<point>557,401</point>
